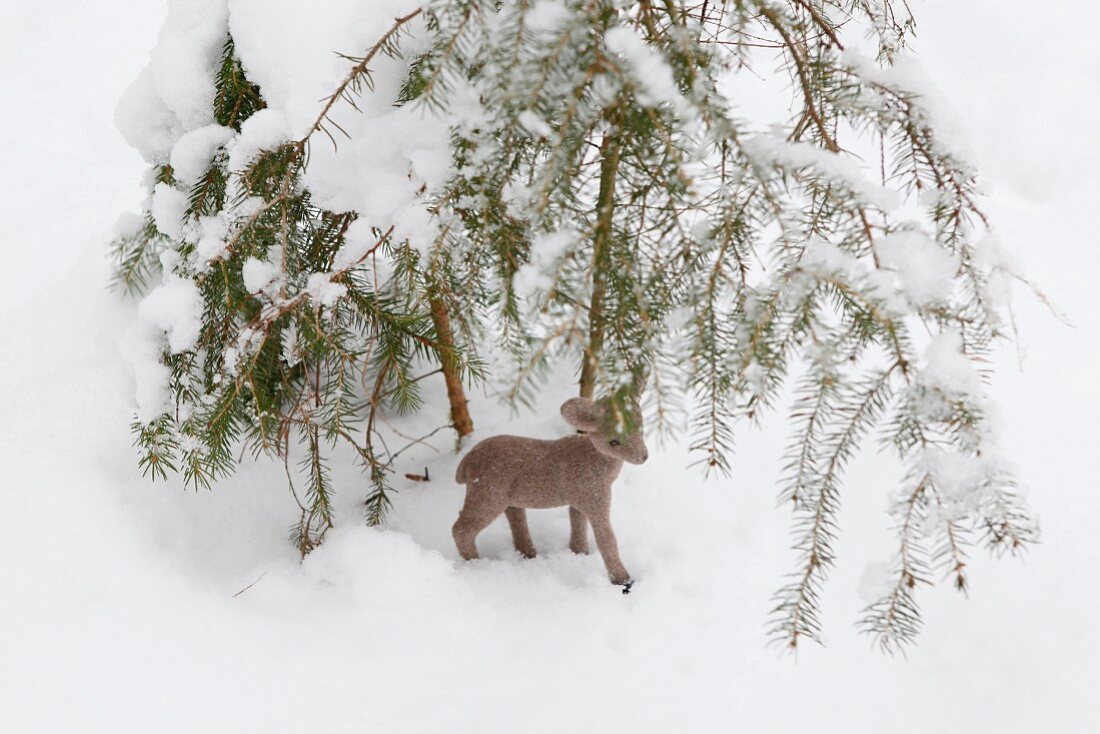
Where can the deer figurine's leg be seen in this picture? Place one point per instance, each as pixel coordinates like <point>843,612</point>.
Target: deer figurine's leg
<point>473,518</point>
<point>609,549</point>
<point>578,531</point>
<point>521,535</point>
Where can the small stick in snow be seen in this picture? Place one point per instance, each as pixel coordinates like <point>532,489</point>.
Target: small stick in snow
<point>256,582</point>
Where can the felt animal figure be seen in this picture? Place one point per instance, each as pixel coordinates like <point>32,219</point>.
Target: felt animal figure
<point>511,474</point>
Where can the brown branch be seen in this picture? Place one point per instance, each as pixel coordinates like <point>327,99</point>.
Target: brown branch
<point>449,364</point>
<point>605,209</point>
<point>802,68</point>
<point>826,27</point>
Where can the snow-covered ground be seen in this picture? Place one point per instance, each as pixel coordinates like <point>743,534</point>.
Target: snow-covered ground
<point>119,604</point>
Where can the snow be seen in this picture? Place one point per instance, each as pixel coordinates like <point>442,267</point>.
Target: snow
<point>358,241</point>
<point>212,239</point>
<point>534,124</point>
<point>546,16</point>
<point>767,150</point>
<point>925,271</point>
<point>914,272</point>
<point>264,130</point>
<point>185,59</point>
<point>650,71</point>
<point>169,208</point>
<point>128,224</point>
<point>145,121</point>
<point>192,153</point>
<point>947,370</point>
<point>823,258</point>
<point>546,251</point>
<point>171,314</point>
<point>876,582</point>
<point>958,479</point>
<point>290,345</point>
<point>257,274</point>
<point>908,74</point>
<point>290,54</point>
<point>119,599</point>
<point>323,291</point>
<point>174,307</point>
<point>140,347</point>
<point>172,94</point>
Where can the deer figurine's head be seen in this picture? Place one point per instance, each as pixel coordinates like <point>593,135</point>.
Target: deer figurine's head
<point>618,436</point>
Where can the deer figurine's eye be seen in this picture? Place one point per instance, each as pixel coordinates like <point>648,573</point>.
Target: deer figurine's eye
<point>613,442</point>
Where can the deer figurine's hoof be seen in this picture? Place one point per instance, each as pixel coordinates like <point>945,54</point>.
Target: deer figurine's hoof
<point>626,586</point>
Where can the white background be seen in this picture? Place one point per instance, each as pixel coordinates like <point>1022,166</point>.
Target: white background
<point>116,606</point>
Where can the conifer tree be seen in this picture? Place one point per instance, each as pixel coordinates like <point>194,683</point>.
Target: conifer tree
<point>611,207</point>
<point>293,322</point>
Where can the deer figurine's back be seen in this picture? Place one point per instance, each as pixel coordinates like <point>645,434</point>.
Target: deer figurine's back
<point>509,474</point>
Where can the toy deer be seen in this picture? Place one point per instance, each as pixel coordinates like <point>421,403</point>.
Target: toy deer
<point>511,474</point>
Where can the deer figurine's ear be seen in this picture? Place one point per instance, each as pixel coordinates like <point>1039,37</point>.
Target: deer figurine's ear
<point>581,413</point>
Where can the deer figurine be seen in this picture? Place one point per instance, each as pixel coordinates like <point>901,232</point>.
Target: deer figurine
<point>512,474</point>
